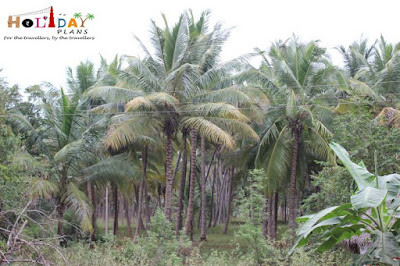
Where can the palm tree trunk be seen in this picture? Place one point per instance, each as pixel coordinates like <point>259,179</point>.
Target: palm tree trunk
<point>270,217</point>
<point>251,201</point>
<point>60,212</point>
<point>283,209</point>
<point>121,209</point>
<point>127,216</point>
<point>274,214</point>
<point>115,198</point>
<point>212,209</point>
<point>145,191</point>
<point>292,190</point>
<point>192,181</point>
<point>229,197</point>
<point>106,214</point>
<point>141,189</point>
<point>147,206</point>
<point>94,213</point>
<point>203,190</point>
<point>182,184</point>
<point>139,211</point>
<point>159,195</point>
<point>176,168</point>
<point>221,185</point>
<point>265,219</point>
<point>61,203</point>
<point>90,191</point>
<point>168,176</point>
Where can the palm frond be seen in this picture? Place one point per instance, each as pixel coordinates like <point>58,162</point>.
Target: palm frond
<point>220,109</point>
<point>78,200</point>
<point>43,188</point>
<point>211,131</point>
<point>113,94</point>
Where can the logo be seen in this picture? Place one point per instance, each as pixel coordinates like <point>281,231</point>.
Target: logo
<point>62,25</point>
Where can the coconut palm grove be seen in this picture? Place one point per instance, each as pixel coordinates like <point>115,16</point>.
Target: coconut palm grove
<point>277,157</point>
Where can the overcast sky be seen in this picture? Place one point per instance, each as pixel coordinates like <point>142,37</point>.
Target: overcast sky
<point>257,24</point>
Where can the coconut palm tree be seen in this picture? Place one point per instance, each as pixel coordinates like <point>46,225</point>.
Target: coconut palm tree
<point>183,88</point>
<point>80,81</point>
<point>295,129</point>
<point>374,84</point>
<point>358,55</point>
<point>66,143</point>
<point>68,136</point>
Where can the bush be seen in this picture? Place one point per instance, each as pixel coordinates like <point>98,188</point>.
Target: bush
<point>159,247</point>
<point>261,251</point>
<point>329,181</point>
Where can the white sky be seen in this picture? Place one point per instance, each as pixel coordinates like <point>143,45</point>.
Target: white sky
<point>257,24</point>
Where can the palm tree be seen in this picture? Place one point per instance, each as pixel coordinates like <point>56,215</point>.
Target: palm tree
<point>80,82</point>
<point>302,78</point>
<point>358,55</point>
<point>182,87</point>
<point>65,142</point>
<point>374,84</point>
<point>88,16</point>
<point>77,15</point>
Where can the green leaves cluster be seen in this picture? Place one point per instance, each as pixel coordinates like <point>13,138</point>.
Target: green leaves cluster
<point>251,197</point>
<point>373,210</point>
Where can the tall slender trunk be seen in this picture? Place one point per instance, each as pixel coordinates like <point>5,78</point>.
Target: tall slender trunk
<point>145,190</point>
<point>270,217</point>
<point>274,214</point>
<point>229,197</point>
<point>174,173</point>
<point>189,215</point>
<point>182,184</point>
<point>115,198</point>
<point>127,216</point>
<point>212,197</point>
<point>265,217</point>
<point>139,211</point>
<point>159,195</point>
<point>292,192</point>
<point>285,210</point>
<point>60,213</point>
<point>219,197</point>
<point>121,209</point>
<point>251,201</point>
<point>203,227</point>
<point>106,214</point>
<point>141,190</point>
<point>147,205</point>
<point>60,201</point>
<point>94,213</point>
<point>168,176</point>
<point>136,195</point>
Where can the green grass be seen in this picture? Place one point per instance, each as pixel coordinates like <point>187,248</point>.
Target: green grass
<point>216,240</point>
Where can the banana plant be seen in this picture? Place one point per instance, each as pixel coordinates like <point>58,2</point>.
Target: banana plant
<point>373,209</point>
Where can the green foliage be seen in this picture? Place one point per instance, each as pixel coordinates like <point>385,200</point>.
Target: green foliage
<point>13,185</point>
<point>359,133</point>
<point>254,249</point>
<point>251,198</point>
<point>258,248</point>
<point>373,210</point>
<point>159,247</point>
<point>8,142</point>
<point>179,86</point>
<point>334,185</point>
